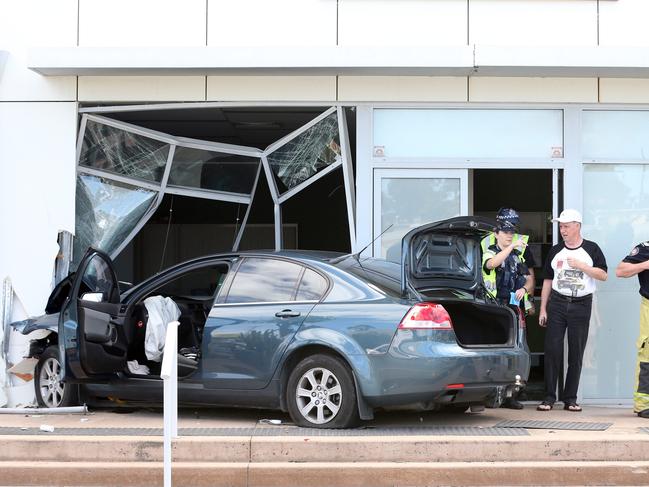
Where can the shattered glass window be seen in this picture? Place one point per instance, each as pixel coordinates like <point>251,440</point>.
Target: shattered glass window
<point>197,168</point>
<point>107,211</point>
<point>111,149</point>
<point>307,154</point>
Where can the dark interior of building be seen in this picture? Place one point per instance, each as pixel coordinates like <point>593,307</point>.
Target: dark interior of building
<point>529,192</point>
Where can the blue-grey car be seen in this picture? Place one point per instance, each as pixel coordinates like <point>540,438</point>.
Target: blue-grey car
<point>327,337</point>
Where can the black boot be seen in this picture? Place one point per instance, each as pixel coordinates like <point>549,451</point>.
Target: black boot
<point>512,403</point>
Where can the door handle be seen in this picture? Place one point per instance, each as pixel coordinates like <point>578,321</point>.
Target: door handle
<point>287,313</point>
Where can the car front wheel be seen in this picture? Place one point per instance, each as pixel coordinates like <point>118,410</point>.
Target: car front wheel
<point>321,393</point>
<point>50,391</point>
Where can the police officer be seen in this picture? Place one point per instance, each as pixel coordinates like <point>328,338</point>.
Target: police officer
<point>509,217</point>
<point>637,263</point>
<point>505,271</point>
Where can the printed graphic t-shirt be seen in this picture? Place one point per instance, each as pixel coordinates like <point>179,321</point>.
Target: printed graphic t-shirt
<point>569,281</point>
<point>640,253</point>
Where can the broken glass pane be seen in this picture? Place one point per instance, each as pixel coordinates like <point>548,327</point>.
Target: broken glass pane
<point>107,211</point>
<point>125,153</point>
<point>306,154</point>
<point>197,168</point>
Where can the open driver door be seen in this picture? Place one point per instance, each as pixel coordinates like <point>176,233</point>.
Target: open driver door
<point>92,341</point>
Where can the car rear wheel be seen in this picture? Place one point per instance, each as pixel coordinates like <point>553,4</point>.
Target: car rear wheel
<point>50,391</point>
<point>321,393</point>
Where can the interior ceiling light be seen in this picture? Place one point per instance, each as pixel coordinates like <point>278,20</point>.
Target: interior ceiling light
<point>257,125</point>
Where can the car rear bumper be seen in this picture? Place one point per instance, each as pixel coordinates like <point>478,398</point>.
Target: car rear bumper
<point>451,374</point>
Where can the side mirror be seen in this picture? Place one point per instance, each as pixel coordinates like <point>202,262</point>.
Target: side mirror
<point>93,297</point>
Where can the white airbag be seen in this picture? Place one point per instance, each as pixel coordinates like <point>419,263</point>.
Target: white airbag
<point>161,312</point>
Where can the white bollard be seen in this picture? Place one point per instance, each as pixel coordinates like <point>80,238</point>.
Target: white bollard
<point>169,374</point>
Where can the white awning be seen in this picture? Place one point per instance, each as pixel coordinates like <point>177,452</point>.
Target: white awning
<point>66,61</point>
<point>556,61</point>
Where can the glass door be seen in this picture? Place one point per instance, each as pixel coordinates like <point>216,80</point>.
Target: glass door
<point>407,198</point>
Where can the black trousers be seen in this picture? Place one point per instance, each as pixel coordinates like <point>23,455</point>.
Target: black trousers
<point>571,315</point>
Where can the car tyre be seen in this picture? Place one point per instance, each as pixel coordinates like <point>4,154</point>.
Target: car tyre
<point>321,393</point>
<point>50,391</point>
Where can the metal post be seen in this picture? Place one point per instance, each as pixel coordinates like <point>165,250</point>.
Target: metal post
<point>169,374</point>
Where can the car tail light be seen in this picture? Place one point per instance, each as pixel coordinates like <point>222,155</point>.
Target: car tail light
<point>429,316</point>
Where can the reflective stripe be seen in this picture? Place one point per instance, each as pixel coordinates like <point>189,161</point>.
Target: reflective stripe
<point>641,394</point>
<point>489,278</point>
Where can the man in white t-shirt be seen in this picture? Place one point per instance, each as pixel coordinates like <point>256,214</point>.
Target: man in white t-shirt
<point>571,270</point>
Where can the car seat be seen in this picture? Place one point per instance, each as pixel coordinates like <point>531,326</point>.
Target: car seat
<point>187,362</point>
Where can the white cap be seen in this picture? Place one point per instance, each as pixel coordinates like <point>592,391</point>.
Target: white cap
<point>568,216</point>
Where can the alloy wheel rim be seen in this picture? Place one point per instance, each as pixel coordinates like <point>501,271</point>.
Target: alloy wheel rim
<point>51,387</point>
<point>319,395</point>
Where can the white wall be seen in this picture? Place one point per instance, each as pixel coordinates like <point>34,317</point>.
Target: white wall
<point>142,23</point>
<point>32,23</point>
<point>37,184</point>
<point>37,147</point>
<point>623,23</point>
<point>533,22</point>
<point>402,88</point>
<point>402,23</point>
<point>623,90</point>
<point>271,88</point>
<point>537,90</point>
<point>271,22</point>
<point>141,88</point>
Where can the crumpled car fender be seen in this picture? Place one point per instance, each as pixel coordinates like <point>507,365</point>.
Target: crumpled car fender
<point>45,322</point>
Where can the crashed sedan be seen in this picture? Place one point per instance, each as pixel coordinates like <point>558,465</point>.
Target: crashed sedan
<point>326,337</point>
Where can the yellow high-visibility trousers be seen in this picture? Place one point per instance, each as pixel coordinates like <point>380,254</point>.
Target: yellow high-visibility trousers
<point>641,394</point>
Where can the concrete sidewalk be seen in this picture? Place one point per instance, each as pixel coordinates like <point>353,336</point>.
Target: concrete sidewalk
<point>242,449</point>
<point>622,418</point>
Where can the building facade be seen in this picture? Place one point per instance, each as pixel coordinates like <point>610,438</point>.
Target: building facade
<point>454,107</point>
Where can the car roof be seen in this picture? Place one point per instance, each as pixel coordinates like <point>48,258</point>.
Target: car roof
<point>315,256</point>
<point>319,255</point>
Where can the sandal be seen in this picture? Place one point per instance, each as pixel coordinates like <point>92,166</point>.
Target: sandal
<point>545,406</point>
<point>572,406</point>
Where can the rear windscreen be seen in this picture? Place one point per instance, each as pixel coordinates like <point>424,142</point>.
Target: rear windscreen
<point>378,272</point>
<point>436,255</point>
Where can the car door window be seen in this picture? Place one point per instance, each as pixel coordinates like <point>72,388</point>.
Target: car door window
<point>97,282</point>
<point>196,284</point>
<point>264,280</point>
<point>312,286</point>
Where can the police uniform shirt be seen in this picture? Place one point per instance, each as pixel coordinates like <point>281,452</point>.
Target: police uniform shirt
<point>567,280</point>
<point>529,258</point>
<point>510,275</point>
<point>640,253</point>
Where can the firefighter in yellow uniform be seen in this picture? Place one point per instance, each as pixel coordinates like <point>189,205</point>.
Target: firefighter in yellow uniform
<point>637,264</point>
